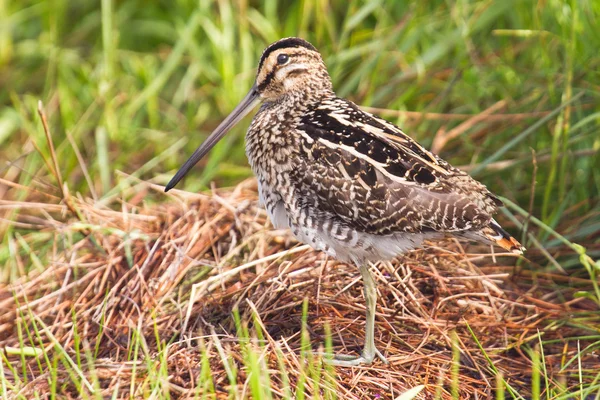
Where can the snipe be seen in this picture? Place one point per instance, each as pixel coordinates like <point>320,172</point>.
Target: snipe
<point>347,182</point>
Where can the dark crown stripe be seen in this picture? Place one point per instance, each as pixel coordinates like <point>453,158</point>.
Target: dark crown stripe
<point>283,44</point>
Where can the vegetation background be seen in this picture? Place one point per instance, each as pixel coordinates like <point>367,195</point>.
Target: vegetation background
<point>508,90</point>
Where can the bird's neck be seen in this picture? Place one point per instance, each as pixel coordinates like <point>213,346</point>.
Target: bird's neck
<point>315,88</point>
<point>301,99</point>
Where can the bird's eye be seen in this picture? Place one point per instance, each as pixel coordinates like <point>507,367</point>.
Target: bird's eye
<point>282,59</point>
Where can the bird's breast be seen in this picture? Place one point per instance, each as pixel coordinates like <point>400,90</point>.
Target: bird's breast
<point>271,143</point>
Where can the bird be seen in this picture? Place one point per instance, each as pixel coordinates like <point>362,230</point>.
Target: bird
<point>347,182</point>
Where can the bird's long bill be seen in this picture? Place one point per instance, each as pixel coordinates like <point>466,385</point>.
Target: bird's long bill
<point>242,109</point>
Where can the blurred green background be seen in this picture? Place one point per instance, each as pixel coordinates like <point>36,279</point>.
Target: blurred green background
<point>135,86</point>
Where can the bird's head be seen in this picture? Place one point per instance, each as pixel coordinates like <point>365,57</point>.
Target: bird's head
<point>290,67</point>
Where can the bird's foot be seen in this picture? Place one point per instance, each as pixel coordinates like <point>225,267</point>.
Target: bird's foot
<point>347,360</point>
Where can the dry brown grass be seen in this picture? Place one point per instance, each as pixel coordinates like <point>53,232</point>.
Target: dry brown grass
<point>176,271</point>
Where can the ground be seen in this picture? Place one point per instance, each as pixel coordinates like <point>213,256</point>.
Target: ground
<point>201,296</point>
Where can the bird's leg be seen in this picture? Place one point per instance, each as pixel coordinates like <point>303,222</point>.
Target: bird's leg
<point>370,289</point>
<point>369,350</point>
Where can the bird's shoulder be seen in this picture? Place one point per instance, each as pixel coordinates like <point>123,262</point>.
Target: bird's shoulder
<point>340,124</point>
<point>370,172</point>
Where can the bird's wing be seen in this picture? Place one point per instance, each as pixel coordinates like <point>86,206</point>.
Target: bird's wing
<point>373,177</point>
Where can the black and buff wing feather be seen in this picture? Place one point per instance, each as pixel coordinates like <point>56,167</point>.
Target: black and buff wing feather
<point>372,177</point>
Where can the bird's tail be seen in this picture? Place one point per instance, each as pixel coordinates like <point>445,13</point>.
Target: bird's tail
<point>494,233</point>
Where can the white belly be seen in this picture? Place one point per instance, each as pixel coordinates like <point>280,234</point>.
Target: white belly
<point>363,247</point>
